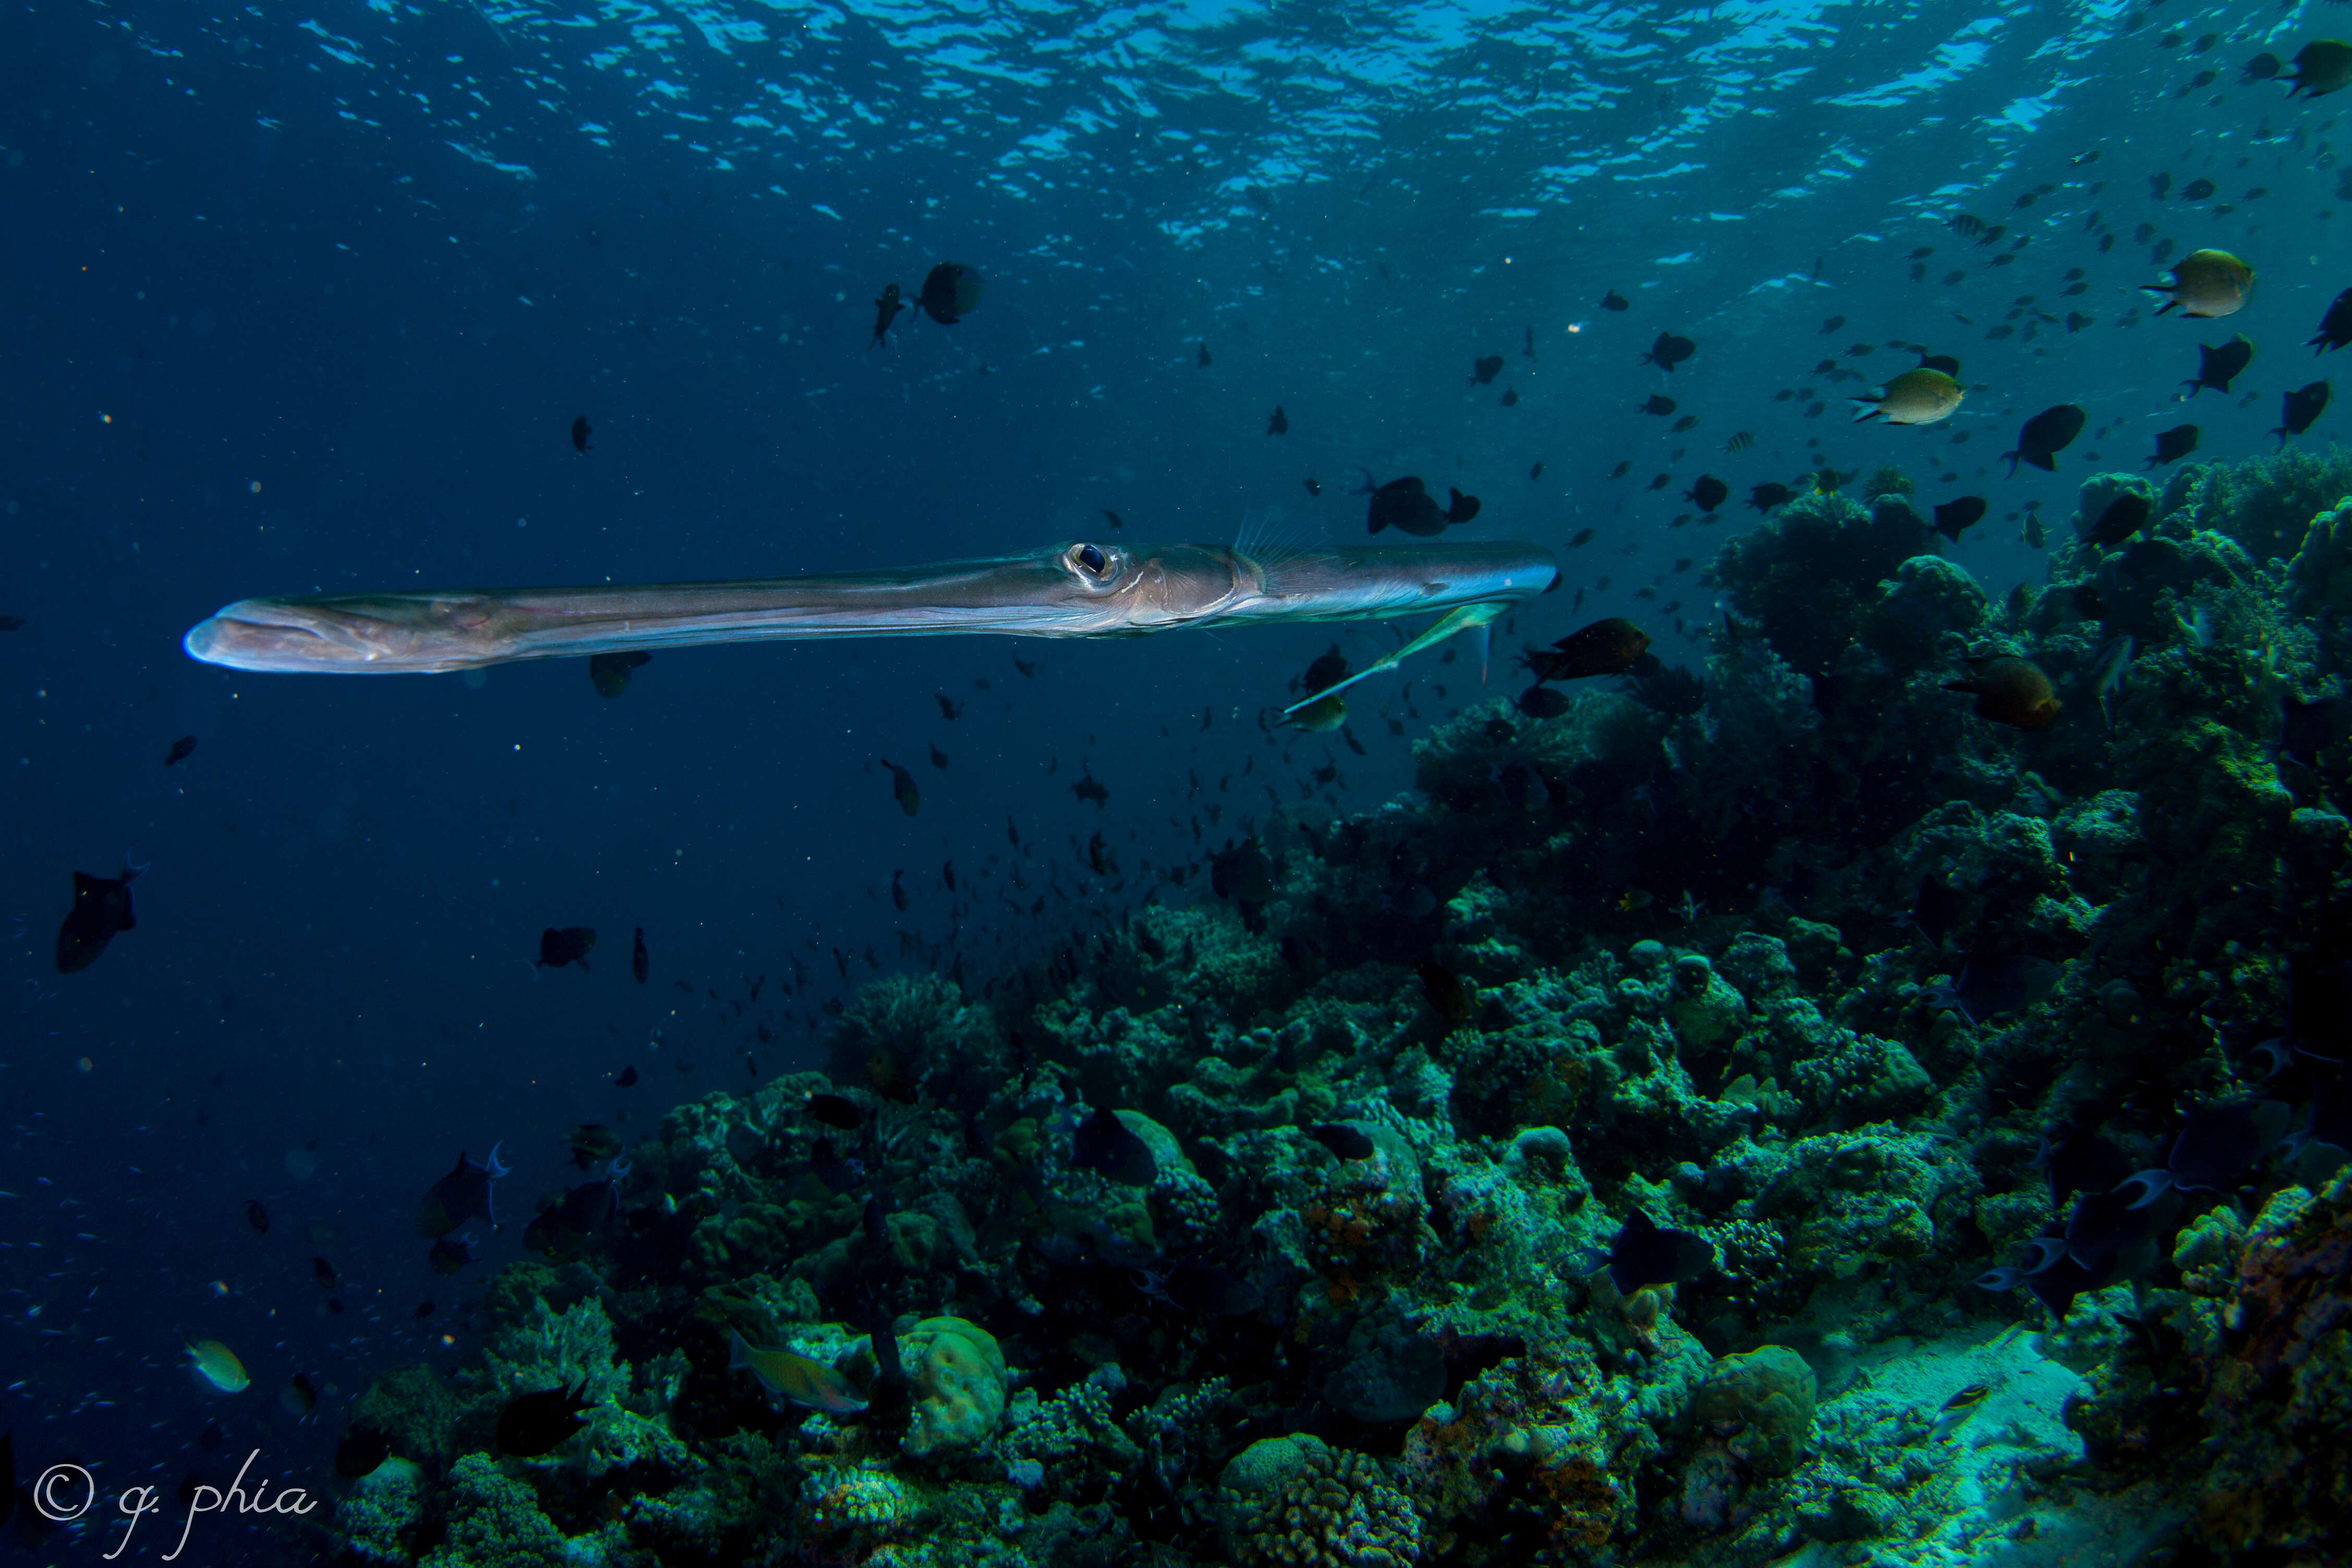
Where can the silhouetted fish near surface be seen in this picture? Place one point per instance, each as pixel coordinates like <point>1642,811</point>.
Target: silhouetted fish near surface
<point>640,961</point>
<point>902,786</point>
<point>1771,494</point>
<point>1645,1254</point>
<point>2046,435</point>
<point>182,749</point>
<point>1613,300</point>
<point>1314,486</point>
<point>951,292</point>
<point>1527,351</point>
<point>2301,408</point>
<point>2335,326</point>
<point>1486,368</point>
<point>1536,473</point>
<point>1707,493</point>
<point>257,1216</point>
<point>1104,1143</point>
<point>101,908</point>
<point>1280,424</point>
<point>2217,367</point>
<point>2321,67</point>
<point>1204,361</point>
<point>887,307</point>
<point>463,1194</point>
<point>1669,350</point>
<point>2008,691</point>
<point>1406,506</point>
<point>628,1078</point>
<point>2123,517</point>
<point>1955,516</point>
<point>1582,537</point>
<point>567,944</point>
<point>1511,397</point>
<point>610,672</point>
<point>536,1424</point>
<point>1658,404</point>
<point>1089,787</point>
<point>580,435</point>
<point>2173,445</point>
<point>1109,516</point>
<point>1610,647</point>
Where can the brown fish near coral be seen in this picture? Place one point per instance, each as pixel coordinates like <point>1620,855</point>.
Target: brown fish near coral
<point>2010,691</point>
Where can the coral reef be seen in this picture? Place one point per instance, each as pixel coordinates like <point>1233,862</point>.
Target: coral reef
<point>1877,1002</point>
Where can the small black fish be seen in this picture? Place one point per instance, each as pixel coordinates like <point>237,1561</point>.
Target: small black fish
<point>951,292</point>
<point>1541,703</point>
<point>2046,435</point>
<point>1314,486</point>
<point>2301,408</point>
<point>1613,300</point>
<point>1115,521</point>
<point>1089,787</point>
<point>1618,472</point>
<point>1486,369</point>
<point>536,1424</point>
<point>1657,404</point>
<point>257,1216</point>
<point>2173,445</point>
<point>1242,872</point>
<point>1610,647</point>
<point>1406,506</point>
<point>1946,363</point>
<point>1707,493</point>
<point>1511,397</point>
<point>2218,1143</point>
<point>2335,326</point>
<point>362,1449</point>
<point>580,435</point>
<point>11,623</point>
<point>836,1111</point>
<point>1771,494</point>
<point>1536,473</point>
<point>1644,1255</point>
<point>448,1254</point>
<point>628,1078</point>
<point>640,961</point>
<point>1344,1138</point>
<point>1580,537</point>
<point>423,1310</point>
<point>1832,324</point>
<point>1955,516</point>
<point>899,891</point>
<point>1280,424</point>
<point>827,1166</point>
<point>1103,1143</point>
<point>610,672</point>
<point>101,908</point>
<point>2217,367</point>
<point>182,749</point>
<point>2197,190</point>
<point>568,944</point>
<point>1204,361</point>
<point>323,1272</point>
<point>1448,997</point>
<point>902,785</point>
<point>2125,516</point>
<point>885,310</point>
<point>1669,350</point>
<point>2082,1162</point>
<point>464,1193</point>
<point>2262,68</point>
<point>1522,786</point>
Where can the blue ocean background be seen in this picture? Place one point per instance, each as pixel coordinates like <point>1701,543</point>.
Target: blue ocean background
<point>303,299</point>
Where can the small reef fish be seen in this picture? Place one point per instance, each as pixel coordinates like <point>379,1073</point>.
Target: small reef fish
<point>2217,367</point>
<point>836,1111</point>
<point>1280,424</point>
<point>2335,327</point>
<point>1613,300</point>
<point>362,1452</point>
<point>464,1193</point>
<point>1104,1143</point>
<point>2120,519</point>
<point>257,1216</point>
<point>1669,350</point>
<point>610,672</point>
<point>902,786</point>
<point>102,908</point>
<point>886,305</point>
<point>2012,691</point>
<point>1485,369</point>
<point>2300,409</point>
<point>533,1424</point>
<point>559,946</point>
<point>2173,445</point>
<point>2205,284</point>
<point>640,961</point>
<point>1658,404</point>
<point>1610,647</point>
<point>216,1368</point>
<point>580,435</point>
<point>1768,495</point>
<point>2216,1145</point>
<point>182,749</point>
<point>2046,435</point>
<point>447,1256</point>
<point>951,292</point>
<point>1921,397</point>
<point>1406,505</point>
<point>1449,998</point>
<point>794,1378</point>
<point>1708,492</point>
<point>1953,517</point>
<point>1344,1138</point>
<point>1645,1254</point>
<point>2321,67</point>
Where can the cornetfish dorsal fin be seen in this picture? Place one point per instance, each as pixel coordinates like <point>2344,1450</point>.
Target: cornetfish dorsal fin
<point>1467,618</point>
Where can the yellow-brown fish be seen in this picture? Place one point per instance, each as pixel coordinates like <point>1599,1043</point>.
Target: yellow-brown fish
<point>2010,691</point>
<point>2206,283</point>
<point>793,1377</point>
<point>1921,397</point>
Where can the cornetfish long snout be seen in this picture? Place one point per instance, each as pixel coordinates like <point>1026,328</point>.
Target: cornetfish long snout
<point>1075,590</point>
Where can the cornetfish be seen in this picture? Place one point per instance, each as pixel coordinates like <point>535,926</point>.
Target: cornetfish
<point>1075,590</point>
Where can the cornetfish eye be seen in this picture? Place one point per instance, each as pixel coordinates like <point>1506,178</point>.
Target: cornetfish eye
<point>1091,557</point>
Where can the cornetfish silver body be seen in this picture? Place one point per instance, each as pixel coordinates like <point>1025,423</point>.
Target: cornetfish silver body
<point>1074,590</point>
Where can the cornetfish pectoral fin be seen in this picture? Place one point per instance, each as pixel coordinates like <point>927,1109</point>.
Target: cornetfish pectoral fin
<point>1468,617</point>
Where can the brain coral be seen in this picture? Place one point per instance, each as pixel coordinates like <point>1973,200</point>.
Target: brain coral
<point>960,1385</point>
<point>1762,1402</point>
